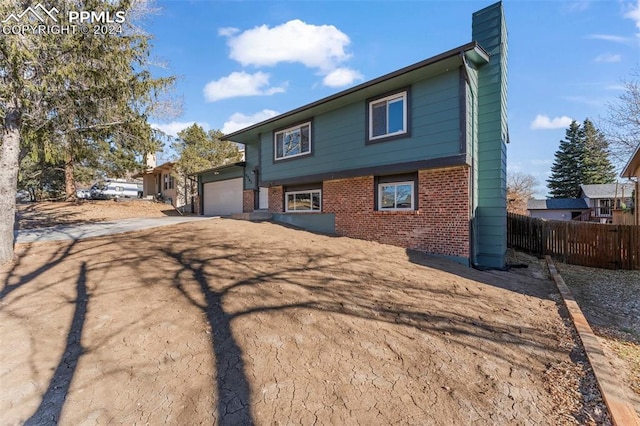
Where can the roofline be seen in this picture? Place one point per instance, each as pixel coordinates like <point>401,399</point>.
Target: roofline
<point>442,56</point>
<point>599,196</point>
<point>627,172</point>
<point>152,170</point>
<point>213,169</point>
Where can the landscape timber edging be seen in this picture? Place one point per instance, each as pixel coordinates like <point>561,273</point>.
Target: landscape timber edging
<point>620,410</point>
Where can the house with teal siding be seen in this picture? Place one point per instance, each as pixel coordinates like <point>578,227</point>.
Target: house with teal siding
<point>415,158</point>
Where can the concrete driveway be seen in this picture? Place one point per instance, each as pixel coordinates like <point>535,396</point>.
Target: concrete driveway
<point>87,230</point>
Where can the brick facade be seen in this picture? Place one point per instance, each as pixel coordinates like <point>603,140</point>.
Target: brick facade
<point>276,199</point>
<point>440,226</point>
<point>248,200</point>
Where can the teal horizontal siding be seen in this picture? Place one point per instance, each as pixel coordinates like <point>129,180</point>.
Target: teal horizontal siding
<point>252,160</point>
<point>489,30</point>
<point>224,174</point>
<point>338,136</point>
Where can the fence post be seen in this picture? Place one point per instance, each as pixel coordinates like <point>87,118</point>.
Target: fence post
<point>544,238</point>
<point>565,246</point>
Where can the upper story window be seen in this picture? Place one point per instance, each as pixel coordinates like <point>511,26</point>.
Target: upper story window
<point>293,142</point>
<point>388,116</point>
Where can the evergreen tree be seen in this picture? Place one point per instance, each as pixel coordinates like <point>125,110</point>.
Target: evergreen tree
<point>582,158</point>
<point>73,98</point>
<point>596,166</point>
<point>565,178</point>
<point>198,150</point>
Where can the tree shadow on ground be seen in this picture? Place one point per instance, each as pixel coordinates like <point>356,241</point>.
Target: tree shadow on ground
<point>208,272</point>
<point>234,395</point>
<point>13,282</point>
<point>50,408</point>
<point>34,215</point>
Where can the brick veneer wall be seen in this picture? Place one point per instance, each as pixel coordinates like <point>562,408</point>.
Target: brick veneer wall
<point>247,200</point>
<point>276,196</point>
<point>440,226</point>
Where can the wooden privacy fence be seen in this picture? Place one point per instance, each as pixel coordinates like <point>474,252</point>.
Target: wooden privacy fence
<point>578,243</point>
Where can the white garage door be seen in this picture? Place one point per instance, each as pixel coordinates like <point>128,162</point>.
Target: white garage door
<point>223,198</point>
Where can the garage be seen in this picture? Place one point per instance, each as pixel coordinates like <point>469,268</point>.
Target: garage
<point>223,197</point>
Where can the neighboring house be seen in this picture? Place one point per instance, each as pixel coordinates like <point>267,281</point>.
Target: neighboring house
<point>604,199</point>
<point>632,170</point>
<point>597,203</point>
<point>557,208</point>
<point>160,182</point>
<point>415,158</point>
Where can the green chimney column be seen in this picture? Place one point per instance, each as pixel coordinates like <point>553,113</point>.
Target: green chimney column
<point>490,31</point>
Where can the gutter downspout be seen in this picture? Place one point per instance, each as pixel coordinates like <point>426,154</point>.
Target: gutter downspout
<point>256,189</point>
<point>472,237</point>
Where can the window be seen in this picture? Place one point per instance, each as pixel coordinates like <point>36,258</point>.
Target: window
<point>388,116</point>
<point>303,201</point>
<point>168,182</point>
<point>604,207</point>
<point>293,142</point>
<point>395,196</point>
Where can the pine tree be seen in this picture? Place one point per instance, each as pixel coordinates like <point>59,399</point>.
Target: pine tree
<point>198,150</point>
<point>582,158</point>
<point>73,98</point>
<point>565,178</point>
<point>596,166</point>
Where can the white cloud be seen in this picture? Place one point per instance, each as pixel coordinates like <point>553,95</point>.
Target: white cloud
<point>228,31</point>
<point>634,14</point>
<point>174,127</point>
<point>544,122</point>
<point>576,6</point>
<point>615,87</point>
<point>239,84</point>
<point>341,77</point>
<point>608,57</point>
<point>587,100</point>
<point>608,37</point>
<point>315,46</point>
<point>239,121</point>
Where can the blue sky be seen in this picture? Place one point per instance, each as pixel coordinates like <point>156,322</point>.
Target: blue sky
<point>240,62</point>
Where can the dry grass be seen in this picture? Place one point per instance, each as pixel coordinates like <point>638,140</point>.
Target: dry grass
<point>610,301</point>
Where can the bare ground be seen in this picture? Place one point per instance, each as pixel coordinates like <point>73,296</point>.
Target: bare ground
<point>610,301</point>
<point>230,322</point>
<point>50,213</point>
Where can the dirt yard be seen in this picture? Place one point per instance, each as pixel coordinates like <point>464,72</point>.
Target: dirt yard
<point>43,214</point>
<point>231,322</point>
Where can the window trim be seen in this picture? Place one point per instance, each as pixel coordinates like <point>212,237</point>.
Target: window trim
<point>308,191</point>
<point>405,94</point>
<point>396,184</point>
<point>291,128</point>
<point>168,181</point>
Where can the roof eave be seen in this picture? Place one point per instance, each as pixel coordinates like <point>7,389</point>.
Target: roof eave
<point>473,51</point>
<point>218,168</point>
<point>632,165</point>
